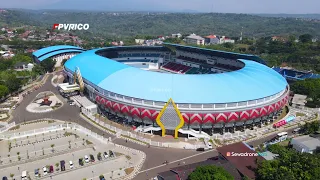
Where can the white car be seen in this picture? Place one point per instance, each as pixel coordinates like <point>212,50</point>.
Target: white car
<point>71,164</point>
<point>45,172</point>
<point>106,155</point>
<point>86,159</point>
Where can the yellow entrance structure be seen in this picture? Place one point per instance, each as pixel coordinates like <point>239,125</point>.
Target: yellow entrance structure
<point>160,123</point>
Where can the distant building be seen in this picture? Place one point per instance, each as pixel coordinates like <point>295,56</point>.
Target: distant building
<point>224,39</point>
<point>23,66</point>
<point>212,39</point>
<point>278,38</point>
<point>299,100</point>
<point>195,39</point>
<point>178,35</point>
<point>305,144</point>
<point>139,41</point>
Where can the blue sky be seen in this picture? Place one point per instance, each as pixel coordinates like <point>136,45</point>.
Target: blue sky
<point>229,6</point>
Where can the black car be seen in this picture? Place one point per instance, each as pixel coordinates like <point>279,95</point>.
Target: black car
<point>91,158</point>
<point>62,165</point>
<point>81,162</point>
<point>4,178</point>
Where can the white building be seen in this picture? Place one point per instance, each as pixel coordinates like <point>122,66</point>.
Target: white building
<point>195,39</point>
<point>224,39</point>
<point>139,41</point>
<point>22,66</point>
<point>178,35</point>
<point>299,101</point>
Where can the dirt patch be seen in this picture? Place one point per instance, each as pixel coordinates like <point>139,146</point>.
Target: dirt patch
<point>129,170</point>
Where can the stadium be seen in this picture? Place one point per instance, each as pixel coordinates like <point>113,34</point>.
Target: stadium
<point>176,89</point>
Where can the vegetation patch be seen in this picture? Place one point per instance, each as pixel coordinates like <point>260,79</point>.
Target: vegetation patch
<point>300,114</point>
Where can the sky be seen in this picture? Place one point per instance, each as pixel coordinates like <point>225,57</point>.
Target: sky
<point>222,6</point>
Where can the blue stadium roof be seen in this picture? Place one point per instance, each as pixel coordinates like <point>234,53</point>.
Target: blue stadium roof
<point>58,52</point>
<point>46,50</point>
<point>254,81</point>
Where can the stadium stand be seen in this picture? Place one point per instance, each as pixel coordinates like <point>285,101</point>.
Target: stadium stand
<point>292,74</point>
<point>178,68</point>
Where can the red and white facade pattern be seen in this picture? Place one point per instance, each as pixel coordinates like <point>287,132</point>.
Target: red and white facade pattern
<point>195,118</point>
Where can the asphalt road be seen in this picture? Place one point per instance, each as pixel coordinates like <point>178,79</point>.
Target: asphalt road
<point>154,156</point>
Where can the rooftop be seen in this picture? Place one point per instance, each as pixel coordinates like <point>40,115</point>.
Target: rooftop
<point>253,81</point>
<point>245,164</point>
<point>299,99</point>
<point>310,142</point>
<point>193,36</point>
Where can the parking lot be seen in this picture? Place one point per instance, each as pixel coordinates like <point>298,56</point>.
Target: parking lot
<point>32,153</point>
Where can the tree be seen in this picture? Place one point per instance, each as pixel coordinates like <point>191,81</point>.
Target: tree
<point>64,61</point>
<point>13,83</point>
<point>3,91</point>
<point>48,64</point>
<point>210,172</point>
<point>52,146</point>
<point>305,38</point>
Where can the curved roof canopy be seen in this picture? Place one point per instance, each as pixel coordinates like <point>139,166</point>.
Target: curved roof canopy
<point>50,51</point>
<point>253,81</point>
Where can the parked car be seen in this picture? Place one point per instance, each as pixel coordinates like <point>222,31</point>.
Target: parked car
<point>4,178</point>
<point>62,165</point>
<point>36,172</point>
<point>71,164</point>
<point>24,175</point>
<point>111,154</point>
<point>101,177</point>
<point>51,169</point>
<point>91,158</point>
<point>86,159</point>
<point>81,162</point>
<point>99,156</point>
<point>106,155</point>
<point>45,172</point>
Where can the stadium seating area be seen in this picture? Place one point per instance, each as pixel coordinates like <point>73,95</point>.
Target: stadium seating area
<point>178,68</point>
<point>138,55</point>
<point>295,74</point>
<point>204,63</point>
<point>199,71</point>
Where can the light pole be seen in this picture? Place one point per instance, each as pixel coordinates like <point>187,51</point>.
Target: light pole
<point>92,174</point>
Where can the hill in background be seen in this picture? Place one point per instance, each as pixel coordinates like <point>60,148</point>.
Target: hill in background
<point>125,24</point>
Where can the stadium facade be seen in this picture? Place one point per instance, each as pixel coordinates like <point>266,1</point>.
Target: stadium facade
<point>181,87</point>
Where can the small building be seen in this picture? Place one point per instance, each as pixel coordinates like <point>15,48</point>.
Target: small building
<point>212,39</point>
<point>195,39</point>
<point>139,41</point>
<point>299,101</point>
<point>305,144</point>
<point>23,66</point>
<point>224,39</point>
<point>178,35</point>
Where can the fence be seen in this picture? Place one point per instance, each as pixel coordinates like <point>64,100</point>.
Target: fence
<point>134,137</point>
